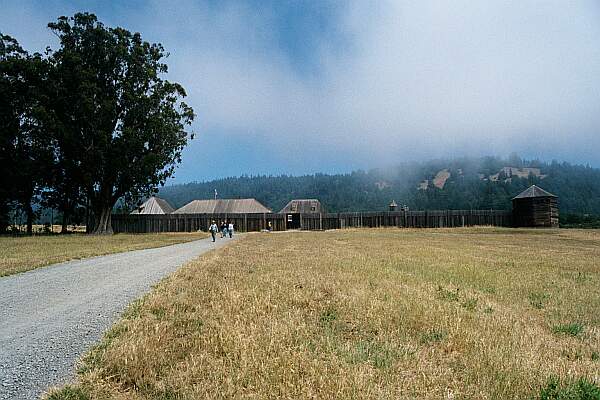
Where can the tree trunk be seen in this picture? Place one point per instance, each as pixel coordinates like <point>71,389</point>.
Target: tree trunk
<point>4,222</point>
<point>103,221</point>
<point>65,218</point>
<point>65,223</point>
<point>88,221</point>
<point>29,211</point>
<point>4,219</point>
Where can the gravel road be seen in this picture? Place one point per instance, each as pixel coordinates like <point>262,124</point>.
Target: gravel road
<point>51,316</point>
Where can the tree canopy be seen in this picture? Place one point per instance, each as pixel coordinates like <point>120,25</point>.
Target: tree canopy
<point>25,150</point>
<point>99,121</point>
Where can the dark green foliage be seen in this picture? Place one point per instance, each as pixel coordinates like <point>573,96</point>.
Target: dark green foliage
<point>119,125</point>
<point>582,389</point>
<point>586,221</point>
<point>25,148</point>
<point>88,124</point>
<point>578,187</point>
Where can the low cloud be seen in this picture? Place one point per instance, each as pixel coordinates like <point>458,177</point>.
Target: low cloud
<point>417,79</point>
<point>387,83</point>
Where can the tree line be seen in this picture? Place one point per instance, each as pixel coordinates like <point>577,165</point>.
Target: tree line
<point>468,187</point>
<point>88,124</point>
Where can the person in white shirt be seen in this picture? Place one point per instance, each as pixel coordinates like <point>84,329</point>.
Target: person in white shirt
<point>213,230</point>
<point>230,229</point>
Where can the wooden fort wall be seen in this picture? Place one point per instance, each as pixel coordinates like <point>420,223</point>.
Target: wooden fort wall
<point>140,223</point>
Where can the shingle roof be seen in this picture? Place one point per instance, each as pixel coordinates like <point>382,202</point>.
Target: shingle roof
<point>154,205</point>
<point>223,206</point>
<point>533,191</point>
<point>303,206</point>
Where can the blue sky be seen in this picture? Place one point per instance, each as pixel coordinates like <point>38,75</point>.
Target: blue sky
<point>317,86</point>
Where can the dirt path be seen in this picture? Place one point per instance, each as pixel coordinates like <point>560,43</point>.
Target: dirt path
<point>50,316</point>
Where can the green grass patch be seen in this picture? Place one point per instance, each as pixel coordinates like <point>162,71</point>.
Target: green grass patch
<point>582,389</point>
<point>447,294</point>
<point>470,304</point>
<point>433,336</point>
<point>573,329</point>
<point>328,316</point>
<point>373,352</point>
<point>69,393</point>
<point>538,300</point>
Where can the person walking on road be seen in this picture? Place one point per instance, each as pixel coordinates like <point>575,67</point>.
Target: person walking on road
<point>230,229</point>
<point>213,230</point>
<point>224,229</point>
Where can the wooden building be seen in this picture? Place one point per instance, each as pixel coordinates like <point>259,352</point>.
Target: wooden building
<point>296,208</point>
<point>154,205</point>
<point>223,206</point>
<point>535,207</point>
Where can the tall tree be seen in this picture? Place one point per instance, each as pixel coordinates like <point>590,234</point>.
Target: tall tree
<point>125,123</point>
<point>9,49</point>
<point>25,148</point>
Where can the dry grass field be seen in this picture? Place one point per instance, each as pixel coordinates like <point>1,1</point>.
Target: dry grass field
<point>22,253</point>
<point>380,314</point>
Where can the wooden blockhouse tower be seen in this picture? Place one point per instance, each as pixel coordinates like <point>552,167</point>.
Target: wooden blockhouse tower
<point>535,208</point>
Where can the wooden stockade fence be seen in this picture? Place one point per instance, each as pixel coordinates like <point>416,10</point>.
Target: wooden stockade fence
<point>150,223</point>
<point>141,223</point>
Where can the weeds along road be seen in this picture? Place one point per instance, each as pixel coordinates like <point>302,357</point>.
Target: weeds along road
<point>50,316</point>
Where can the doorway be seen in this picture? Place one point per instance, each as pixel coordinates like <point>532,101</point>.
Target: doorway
<point>292,221</point>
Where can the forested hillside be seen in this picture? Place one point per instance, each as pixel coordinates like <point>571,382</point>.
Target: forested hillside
<point>466,183</point>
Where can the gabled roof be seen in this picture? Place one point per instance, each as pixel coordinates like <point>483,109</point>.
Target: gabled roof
<point>154,205</point>
<point>533,191</point>
<point>302,206</point>
<point>223,206</point>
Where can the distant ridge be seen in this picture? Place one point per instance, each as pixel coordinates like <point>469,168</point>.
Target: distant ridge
<point>465,183</point>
